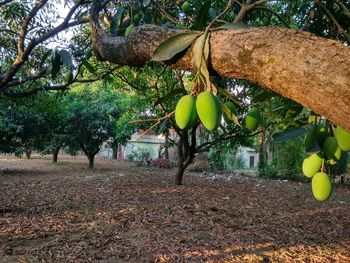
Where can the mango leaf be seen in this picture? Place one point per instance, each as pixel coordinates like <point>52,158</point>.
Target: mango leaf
<point>200,54</point>
<point>202,18</point>
<point>174,45</point>
<point>55,65</point>
<point>146,2</point>
<point>116,20</point>
<point>233,26</point>
<point>44,58</point>
<point>264,95</point>
<point>228,95</point>
<point>229,114</point>
<point>288,134</point>
<point>66,59</point>
<point>88,66</point>
<point>129,30</point>
<point>169,96</point>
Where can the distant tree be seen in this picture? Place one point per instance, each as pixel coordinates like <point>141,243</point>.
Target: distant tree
<point>91,119</point>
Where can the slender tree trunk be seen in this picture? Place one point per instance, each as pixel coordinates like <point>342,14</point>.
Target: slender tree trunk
<point>55,154</point>
<point>91,161</point>
<point>28,153</point>
<point>262,155</point>
<point>115,147</point>
<point>166,147</point>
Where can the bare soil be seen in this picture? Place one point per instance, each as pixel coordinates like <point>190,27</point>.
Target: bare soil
<point>123,213</point>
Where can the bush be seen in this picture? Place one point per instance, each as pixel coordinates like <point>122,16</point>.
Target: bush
<point>140,157</point>
<point>287,161</point>
<point>162,163</point>
<point>239,162</point>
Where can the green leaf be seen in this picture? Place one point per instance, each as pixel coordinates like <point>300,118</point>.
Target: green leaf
<point>200,55</point>
<point>288,134</point>
<point>146,2</point>
<point>169,96</point>
<point>45,56</point>
<point>233,26</point>
<point>263,96</point>
<point>174,45</point>
<point>66,58</point>
<point>229,114</point>
<point>202,18</point>
<point>228,95</point>
<point>116,20</point>
<point>55,65</point>
<point>129,30</point>
<point>89,67</point>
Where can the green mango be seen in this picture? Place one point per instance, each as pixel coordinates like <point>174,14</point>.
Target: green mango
<point>233,110</point>
<point>209,110</point>
<point>252,119</point>
<point>321,134</point>
<point>321,186</point>
<point>343,138</point>
<point>185,112</point>
<point>312,165</point>
<point>331,150</point>
<point>186,7</point>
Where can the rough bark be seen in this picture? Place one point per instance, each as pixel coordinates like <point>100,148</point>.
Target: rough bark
<point>91,161</point>
<point>28,152</point>
<point>55,154</point>
<point>310,70</point>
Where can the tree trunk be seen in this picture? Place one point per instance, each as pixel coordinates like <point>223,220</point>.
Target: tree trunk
<point>55,154</point>
<point>91,161</point>
<point>166,146</point>
<point>115,147</point>
<point>179,176</point>
<point>310,70</point>
<point>262,150</point>
<point>28,153</point>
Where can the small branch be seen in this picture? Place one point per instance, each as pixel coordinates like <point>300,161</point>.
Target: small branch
<point>25,24</point>
<point>346,10</point>
<point>330,15</point>
<point>155,119</point>
<point>274,13</point>
<point>5,2</point>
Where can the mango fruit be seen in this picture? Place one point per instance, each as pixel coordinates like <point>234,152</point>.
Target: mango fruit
<point>312,165</point>
<point>186,7</point>
<point>321,134</point>
<point>321,186</point>
<point>185,112</point>
<point>331,149</point>
<point>233,110</point>
<point>343,138</point>
<point>209,110</point>
<point>252,119</point>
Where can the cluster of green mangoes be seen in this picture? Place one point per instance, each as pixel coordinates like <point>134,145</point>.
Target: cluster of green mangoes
<point>331,151</point>
<point>208,109</point>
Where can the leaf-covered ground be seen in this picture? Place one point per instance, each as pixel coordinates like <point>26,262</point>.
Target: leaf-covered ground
<point>123,213</point>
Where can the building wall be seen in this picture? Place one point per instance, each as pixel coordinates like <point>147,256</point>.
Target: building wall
<point>246,154</point>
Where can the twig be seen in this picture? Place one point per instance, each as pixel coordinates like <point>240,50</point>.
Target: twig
<point>340,28</point>
<point>154,119</point>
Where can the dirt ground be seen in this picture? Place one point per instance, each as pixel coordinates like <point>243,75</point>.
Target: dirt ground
<point>123,213</point>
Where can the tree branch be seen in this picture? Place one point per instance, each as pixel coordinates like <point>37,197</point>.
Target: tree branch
<point>22,57</point>
<point>5,2</point>
<point>335,21</point>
